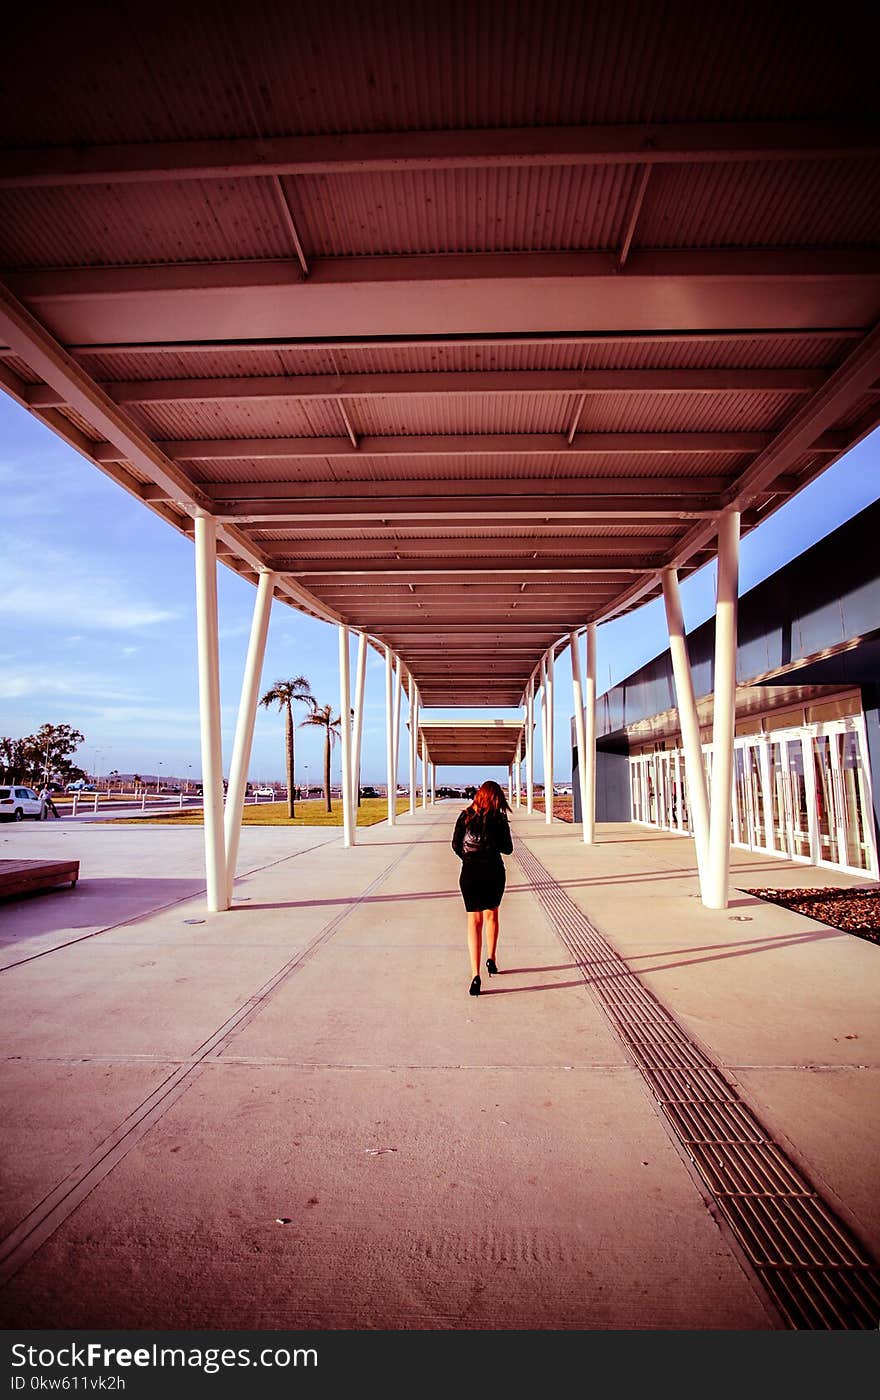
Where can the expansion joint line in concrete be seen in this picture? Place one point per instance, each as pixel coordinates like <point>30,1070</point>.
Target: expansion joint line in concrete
<point>45,1218</point>
<point>811,1265</point>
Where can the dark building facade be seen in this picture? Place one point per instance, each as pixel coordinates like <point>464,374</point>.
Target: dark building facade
<point>807,747</point>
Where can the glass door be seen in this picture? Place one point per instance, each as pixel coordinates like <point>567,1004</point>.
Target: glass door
<point>852,797</point>
<point>780,796</point>
<point>799,831</point>
<point>826,799</point>
<point>754,796</point>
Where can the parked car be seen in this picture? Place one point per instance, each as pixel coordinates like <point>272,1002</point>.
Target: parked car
<point>369,792</point>
<point>264,792</point>
<point>16,803</point>
<point>76,786</point>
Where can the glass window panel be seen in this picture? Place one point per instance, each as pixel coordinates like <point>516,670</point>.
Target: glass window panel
<point>798,798</point>
<point>857,853</point>
<point>825,805</point>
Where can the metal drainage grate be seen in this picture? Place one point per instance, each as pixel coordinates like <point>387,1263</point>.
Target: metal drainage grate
<point>815,1270</point>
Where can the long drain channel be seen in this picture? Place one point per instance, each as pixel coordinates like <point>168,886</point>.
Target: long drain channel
<point>812,1266</point>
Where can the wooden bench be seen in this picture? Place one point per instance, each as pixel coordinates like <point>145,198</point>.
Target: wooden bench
<point>23,876</point>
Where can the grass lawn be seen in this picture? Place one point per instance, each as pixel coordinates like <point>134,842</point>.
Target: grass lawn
<point>308,813</point>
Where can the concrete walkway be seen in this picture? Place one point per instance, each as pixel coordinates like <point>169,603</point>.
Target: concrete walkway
<point>293,1115</point>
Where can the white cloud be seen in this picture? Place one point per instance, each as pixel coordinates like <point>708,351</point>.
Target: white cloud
<point>16,684</point>
<point>68,590</point>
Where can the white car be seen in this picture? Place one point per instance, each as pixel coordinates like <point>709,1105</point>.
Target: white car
<point>264,792</point>
<point>16,803</point>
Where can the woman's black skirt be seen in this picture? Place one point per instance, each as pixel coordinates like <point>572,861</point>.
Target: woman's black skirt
<point>482,882</point>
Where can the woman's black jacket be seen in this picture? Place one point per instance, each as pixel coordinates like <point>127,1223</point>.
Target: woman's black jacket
<point>482,836</point>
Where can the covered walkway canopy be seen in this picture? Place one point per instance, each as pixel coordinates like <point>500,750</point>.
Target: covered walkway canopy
<point>491,741</point>
<point>462,331</point>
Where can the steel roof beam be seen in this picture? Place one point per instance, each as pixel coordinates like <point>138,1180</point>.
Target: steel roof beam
<point>514,565</point>
<point>544,340</point>
<point>440,383</point>
<point>222,493</point>
<point>449,270</point>
<point>418,510</point>
<point>340,568</point>
<point>481,293</point>
<point>397,151</point>
<point>460,445</point>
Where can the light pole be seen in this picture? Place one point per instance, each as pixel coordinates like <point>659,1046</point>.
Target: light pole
<point>159,776</point>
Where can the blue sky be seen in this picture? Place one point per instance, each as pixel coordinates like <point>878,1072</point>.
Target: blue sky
<point>97,618</point>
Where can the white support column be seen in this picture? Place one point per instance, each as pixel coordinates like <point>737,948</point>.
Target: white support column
<point>548,768</point>
<point>725,710</point>
<point>510,784</point>
<point>244,731</point>
<point>433,782</point>
<point>209,710</point>
<point>360,677</point>
<point>424,775</point>
<point>517,769</point>
<point>398,692</point>
<point>590,725</point>
<point>695,773</point>
<point>345,730</point>
<point>579,726</point>
<point>530,746</point>
<point>413,732</point>
<point>544,724</point>
<point>389,735</point>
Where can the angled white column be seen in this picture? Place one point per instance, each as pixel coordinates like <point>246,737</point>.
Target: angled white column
<point>389,735</point>
<point>413,730</point>
<point>345,731</point>
<point>244,730</point>
<point>209,710</point>
<point>548,770</point>
<point>530,746</point>
<point>695,773</point>
<point>544,725</point>
<point>725,710</point>
<point>590,731</point>
<point>398,692</point>
<point>360,677</point>
<point>579,726</point>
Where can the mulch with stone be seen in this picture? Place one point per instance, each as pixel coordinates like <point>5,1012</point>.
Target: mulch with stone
<point>854,910</point>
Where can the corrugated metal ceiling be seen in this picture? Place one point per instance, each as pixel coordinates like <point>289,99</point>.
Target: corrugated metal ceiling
<point>272,70</point>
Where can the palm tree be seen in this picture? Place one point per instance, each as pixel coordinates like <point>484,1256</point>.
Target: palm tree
<point>285,694</point>
<point>323,716</point>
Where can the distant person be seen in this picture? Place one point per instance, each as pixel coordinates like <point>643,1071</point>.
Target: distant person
<point>48,804</point>
<point>481,838</point>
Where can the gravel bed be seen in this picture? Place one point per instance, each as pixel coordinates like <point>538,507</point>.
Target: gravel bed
<point>854,910</point>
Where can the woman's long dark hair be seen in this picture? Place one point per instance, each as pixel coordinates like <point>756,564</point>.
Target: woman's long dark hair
<point>488,801</point>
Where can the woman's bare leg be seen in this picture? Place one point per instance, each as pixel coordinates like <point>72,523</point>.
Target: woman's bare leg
<point>475,940</point>
<point>491,917</point>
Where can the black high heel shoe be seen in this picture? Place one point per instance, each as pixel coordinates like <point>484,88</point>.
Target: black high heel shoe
<point>491,967</point>
<point>475,986</point>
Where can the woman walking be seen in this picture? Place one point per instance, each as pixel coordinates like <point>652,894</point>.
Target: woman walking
<point>481,838</point>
